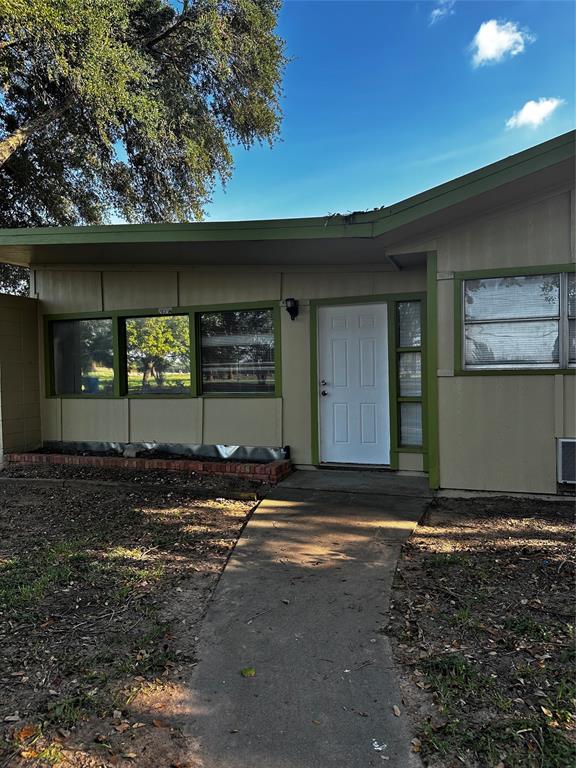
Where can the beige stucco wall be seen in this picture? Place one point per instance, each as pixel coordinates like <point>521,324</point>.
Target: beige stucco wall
<point>244,421</point>
<point>19,381</point>
<point>495,432</point>
<point>498,432</point>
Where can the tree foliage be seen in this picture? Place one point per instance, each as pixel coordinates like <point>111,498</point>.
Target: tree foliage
<point>155,344</point>
<point>129,108</point>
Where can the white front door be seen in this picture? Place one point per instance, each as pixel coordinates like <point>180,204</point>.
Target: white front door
<point>353,384</point>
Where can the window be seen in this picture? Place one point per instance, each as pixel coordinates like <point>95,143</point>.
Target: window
<point>83,357</point>
<point>572,318</point>
<point>237,351</point>
<point>518,322</point>
<point>409,365</point>
<point>158,355</point>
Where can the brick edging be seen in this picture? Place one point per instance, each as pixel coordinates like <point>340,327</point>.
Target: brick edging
<point>272,472</point>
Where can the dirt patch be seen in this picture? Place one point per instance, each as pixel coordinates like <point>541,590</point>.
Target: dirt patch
<point>102,591</point>
<point>483,628</point>
<point>187,482</point>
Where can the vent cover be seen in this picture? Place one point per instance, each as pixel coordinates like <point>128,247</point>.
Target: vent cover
<point>567,461</point>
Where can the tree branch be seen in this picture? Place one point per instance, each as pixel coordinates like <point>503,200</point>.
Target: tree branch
<point>20,136</point>
<point>184,18</point>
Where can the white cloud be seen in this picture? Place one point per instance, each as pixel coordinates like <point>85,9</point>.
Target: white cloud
<point>497,39</point>
<point>534,113</point>
<point>443,8</point>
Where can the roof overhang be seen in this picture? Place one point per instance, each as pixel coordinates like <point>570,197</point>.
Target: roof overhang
<point>367,237</point>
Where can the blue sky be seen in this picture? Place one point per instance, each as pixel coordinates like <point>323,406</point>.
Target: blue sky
<point>386,99</point>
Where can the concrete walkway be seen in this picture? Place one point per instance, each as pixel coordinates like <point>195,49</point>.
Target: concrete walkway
<point>304,601</point>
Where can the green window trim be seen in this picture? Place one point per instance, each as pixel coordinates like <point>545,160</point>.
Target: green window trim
<point>459,280</point>
<point>391,300</point>
<point>118,318</point>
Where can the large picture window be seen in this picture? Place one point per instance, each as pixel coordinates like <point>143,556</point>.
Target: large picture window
<point>237,351</point>
<point>83,357</point>
<point>516,322</point>
<point>158,355</point>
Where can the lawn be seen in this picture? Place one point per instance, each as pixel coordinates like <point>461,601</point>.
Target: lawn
<point>483,629</point>
<point>102,588</point>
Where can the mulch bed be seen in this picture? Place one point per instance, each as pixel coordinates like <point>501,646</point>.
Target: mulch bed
<point>189,482</point>
<point>102,591</point>
<point>483,629</point>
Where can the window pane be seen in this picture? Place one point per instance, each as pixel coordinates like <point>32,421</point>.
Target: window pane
<point>410,374</point>
<point>83,357</point>
<point>503,298</point>
<point>572,341</point>
<point>158,355</point>
<point>409,324</point>
<point>572,294</point>
<point>511,344</point>
<point>410,424</point>
<point>237,350</point>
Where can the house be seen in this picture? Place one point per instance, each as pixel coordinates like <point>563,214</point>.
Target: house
<point>436,335</point>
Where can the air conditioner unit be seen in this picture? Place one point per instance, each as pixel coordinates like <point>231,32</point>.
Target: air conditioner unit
<point>566,461</point>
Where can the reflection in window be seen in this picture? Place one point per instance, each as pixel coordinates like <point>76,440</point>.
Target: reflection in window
<point>237,351</point>
<point>83,357</point>
<point>158,355</point>
<point>512,322</point>
<point>410,374</point>
<point>411,424</point>
<point>409,324</point>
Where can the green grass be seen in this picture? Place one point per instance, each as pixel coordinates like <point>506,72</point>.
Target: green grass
<point>518,743</point>
<point>454,677</point>
<point>25,581</point>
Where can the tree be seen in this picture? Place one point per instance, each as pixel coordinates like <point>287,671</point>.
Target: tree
<point>129,108</point>
<point>155,344</point>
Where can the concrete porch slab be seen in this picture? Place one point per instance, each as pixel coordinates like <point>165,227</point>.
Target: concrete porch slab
<point>358,481</point>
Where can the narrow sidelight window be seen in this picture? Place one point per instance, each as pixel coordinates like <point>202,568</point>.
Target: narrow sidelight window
<point>158,355</point>
<point>237,352</point>
<point>409,364</point>
<point>572,318</point>
<point>83,357</point>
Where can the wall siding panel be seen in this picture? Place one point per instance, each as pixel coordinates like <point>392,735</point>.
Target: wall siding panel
<point>66,291</point>
<point>140,290</point>
<point>166,421</point>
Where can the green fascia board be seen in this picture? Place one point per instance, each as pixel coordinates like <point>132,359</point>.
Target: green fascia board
<point>359,225</point>
<point>483,180</point>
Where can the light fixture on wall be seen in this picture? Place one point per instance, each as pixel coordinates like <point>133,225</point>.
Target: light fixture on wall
<point>291,306</point>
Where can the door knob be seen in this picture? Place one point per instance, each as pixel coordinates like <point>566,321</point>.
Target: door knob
<point>323,393</point>
<point>323,382</point>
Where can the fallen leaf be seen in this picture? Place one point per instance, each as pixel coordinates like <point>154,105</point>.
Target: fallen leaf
<point>396,710</point>
<point>24,733</point>
<point>160,724</point>
<point>129,755</point>
<point>122,727</point>
<point>546,711</point>
<point>28,754</point>
<point>248,672</point>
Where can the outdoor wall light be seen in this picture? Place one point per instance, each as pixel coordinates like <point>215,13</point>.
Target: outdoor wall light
<point>292,308</point>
